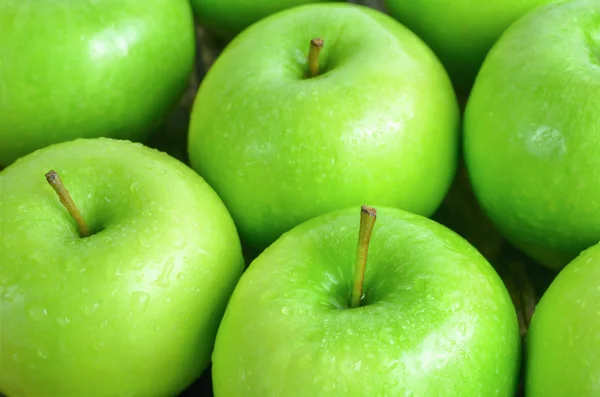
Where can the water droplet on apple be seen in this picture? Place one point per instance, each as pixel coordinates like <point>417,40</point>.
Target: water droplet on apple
<point>42,353</point>
<point>38,313</point>
<point>350,331</point>
<point>305,361</point>
<point>285,310</point>
<point>90,309</point>
<point>16,357</point>
<point>164,279</point>
<point>22,209</point>
<point>99,346</point>
<point>134,187</point>
<point>179,243</point>
<point>181,276</point>
<point>139,301</point>
<point>64,321</point>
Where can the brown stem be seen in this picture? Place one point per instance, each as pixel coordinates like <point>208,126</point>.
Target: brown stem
<point>368,215</point>
<point>66,200</point>
<point>313,56</point>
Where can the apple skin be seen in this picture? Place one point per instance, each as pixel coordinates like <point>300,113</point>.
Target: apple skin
<point>131,310</point>
<point>85,69</point>
<point>438,320</point>
<point>460,32</point>
<point>227,18</point>
<point>531,133</point>
<point>378,125</point>
<point>563,342</point>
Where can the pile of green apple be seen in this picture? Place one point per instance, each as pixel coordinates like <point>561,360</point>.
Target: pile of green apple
<point>360,201</point>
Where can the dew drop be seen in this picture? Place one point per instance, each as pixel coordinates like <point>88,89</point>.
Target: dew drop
<point>139,301</point>
<point>90,309</point>
<point>16,357</point>
<point>42,353</point>
<point>285,310</point>
<point>179,243</point>
<point>144,243</point>
<point>164,279</point>
<point>134,187</point>
<point>64,321</point>
<point>38,313</point>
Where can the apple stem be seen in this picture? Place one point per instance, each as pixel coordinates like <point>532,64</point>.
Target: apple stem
<point>66,200</point>
<point>313,56</point>
<point>368,215</point>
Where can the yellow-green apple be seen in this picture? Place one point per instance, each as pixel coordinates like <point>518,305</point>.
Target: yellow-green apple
<point>421,313</point>
<point>461,32</point>
<point>227,18</point>
<point>115,284</point>
<point>321,107</point>
<point>84,69</point>
<point>563,342</point>
<point>531,136</point>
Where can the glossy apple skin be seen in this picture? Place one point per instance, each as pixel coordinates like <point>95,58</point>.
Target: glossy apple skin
<point>461,32</point>
<point>379,125</point>
<point>84,69</point>
<point>531,133</point>
<point>227,18</point>
<point>437,319</point>
<point>131,310</point>
<point>563,341</point>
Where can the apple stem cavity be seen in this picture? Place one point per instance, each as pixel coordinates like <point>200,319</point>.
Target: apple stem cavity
<point>368,215</point>
<point>66,200</point>
<point>313,56</point>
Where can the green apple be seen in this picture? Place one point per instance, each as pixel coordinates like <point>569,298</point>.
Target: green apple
<point>130,310</point>
<point>563,342</point>
<point>370,117</point>
<point>531,132</point>
<point>461,32</point>
<point>428,317</point>
<point>227,18</point>
<point>84,69</point>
